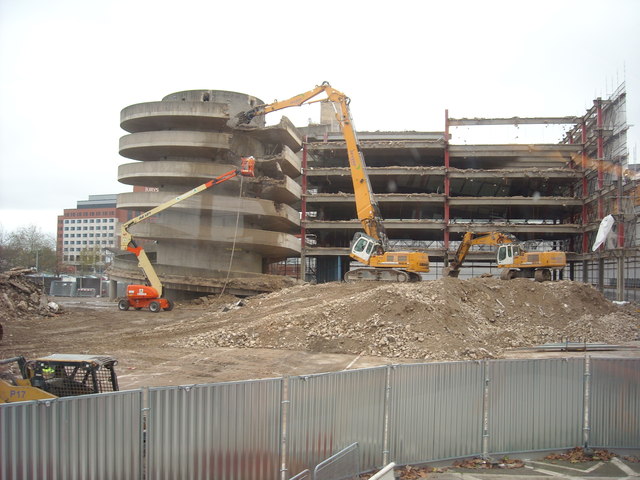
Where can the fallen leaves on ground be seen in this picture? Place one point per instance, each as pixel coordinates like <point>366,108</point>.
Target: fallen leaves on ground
<point>579,454</point>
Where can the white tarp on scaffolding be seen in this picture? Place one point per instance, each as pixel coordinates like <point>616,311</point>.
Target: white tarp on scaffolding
<point>603,231</point>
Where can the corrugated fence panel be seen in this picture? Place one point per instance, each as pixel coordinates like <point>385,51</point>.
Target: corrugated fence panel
<point>89,437</point>
<point>331,411</point>
<point>224,431</point>
<point>436,411</point>
<point>615,403</point>
<point>535,404</point>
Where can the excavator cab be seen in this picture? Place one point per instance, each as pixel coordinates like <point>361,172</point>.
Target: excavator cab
<point>506,254</point>
<point>363,247</point>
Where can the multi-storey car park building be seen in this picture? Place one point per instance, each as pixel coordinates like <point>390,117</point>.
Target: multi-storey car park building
<point>430,189</point>
<point>223,237</point>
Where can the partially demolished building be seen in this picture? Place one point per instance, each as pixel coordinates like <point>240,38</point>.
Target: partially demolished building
<point>223,237</point>
<point>431,190</point>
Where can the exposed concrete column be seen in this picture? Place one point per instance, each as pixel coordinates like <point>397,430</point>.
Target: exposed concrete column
<point>572,271</point>
<point>585,189</point>
<point>447,184</point>
<point>113,290</point>
<point>601,274</point>
<point>620,289</point>
<point>600,150</point>
<point>303,214</point>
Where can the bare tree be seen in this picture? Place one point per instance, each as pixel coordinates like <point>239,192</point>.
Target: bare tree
<point>27,247</point>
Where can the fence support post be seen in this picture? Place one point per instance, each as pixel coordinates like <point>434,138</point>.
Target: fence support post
<point>485,411</point>
<point>144,434</point>
<point>387,412</point>
<point>284,424</point>
<point>586,401</point>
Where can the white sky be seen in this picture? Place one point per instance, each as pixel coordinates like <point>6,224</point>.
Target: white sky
<point>68,67</point>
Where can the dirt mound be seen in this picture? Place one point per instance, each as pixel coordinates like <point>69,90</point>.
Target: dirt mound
<point>437,320</point>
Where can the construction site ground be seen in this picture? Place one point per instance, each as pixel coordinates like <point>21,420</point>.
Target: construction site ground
<point>307,329</point>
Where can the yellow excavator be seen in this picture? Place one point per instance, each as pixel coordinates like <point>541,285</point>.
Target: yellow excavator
<point>142,296</point>
<point>511,257</point>
<point>59,375</point>
<point>371,247</point>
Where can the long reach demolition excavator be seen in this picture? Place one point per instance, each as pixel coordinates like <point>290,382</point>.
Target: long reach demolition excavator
<point>370,248</point>
<point>512,258</point>
<point>141,296</point>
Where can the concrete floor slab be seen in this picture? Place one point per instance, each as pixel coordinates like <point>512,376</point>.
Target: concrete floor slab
<point>261,212</point>
<point>149,146</point>
<point>153,116</point>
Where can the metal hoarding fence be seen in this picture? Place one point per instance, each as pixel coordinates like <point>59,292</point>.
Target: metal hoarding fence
<point>267,429</point>
<point>223,431</point>
<point>535,404</point>
<point>304,475</point>
<point>74,438</point>
<point>436,411</point>
<point>344,465</point>
<point>614,403</point>
<point>330,411</point>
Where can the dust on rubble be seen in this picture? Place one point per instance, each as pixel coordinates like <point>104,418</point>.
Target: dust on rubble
<point>446,319</point>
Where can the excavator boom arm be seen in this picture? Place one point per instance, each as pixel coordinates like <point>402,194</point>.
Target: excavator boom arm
<point>367,208</point>
<point>468,240</point>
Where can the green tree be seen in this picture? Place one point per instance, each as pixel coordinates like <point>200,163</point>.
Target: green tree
<point>27,247</point>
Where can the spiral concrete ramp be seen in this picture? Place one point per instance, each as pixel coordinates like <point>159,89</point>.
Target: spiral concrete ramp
<point>231,231</point>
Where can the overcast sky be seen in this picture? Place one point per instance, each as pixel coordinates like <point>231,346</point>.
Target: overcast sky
<point>68,67</point>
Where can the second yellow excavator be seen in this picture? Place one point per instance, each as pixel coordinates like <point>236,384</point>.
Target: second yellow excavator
<point>370,248</point>
<point>512,258</point>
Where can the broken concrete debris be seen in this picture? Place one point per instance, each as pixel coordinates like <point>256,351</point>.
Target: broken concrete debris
<point>446,319</point>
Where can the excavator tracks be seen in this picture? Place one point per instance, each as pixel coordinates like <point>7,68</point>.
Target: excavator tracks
<point>381,275</point>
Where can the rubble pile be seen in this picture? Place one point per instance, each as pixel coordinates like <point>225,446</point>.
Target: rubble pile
<point>21,298</point>
<point>446,319</point>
